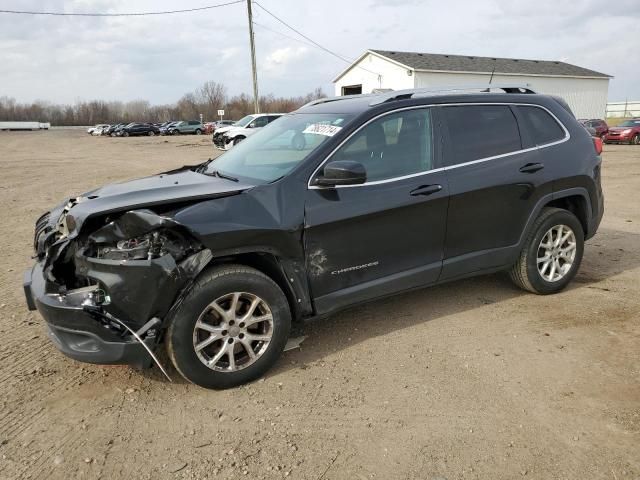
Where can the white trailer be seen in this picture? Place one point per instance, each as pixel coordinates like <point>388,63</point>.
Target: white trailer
<point>24,126</point>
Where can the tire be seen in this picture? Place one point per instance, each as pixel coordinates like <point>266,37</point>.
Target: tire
<point>635,140</point>
<point>174,132</point>
<point>220,284</point>
<point>125,134</point>
<point>151,133</point>
<point>526,274</point>
<point>198,132</point>
<point>237,140</point>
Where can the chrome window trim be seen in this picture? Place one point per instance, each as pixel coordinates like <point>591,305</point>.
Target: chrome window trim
<point>440,169</point>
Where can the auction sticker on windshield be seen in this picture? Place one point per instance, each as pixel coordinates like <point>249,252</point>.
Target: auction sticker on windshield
<point>322,129</point>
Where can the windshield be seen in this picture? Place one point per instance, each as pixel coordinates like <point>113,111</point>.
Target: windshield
<point>630,123</point>
<point>244,121</point>
<point>276,149</point>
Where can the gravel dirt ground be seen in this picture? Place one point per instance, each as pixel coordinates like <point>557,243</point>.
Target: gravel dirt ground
<point>472,379</point>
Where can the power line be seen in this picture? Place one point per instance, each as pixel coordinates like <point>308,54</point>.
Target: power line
<point>133,14</point>
<point>313,41</point>
<point>283,34</point>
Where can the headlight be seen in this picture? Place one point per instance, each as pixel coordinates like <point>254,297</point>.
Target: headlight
<point>627,131</point>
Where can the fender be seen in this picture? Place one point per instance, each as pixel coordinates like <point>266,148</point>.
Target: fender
<point>569,192</point>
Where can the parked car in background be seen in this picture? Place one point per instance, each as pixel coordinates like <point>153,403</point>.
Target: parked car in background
<point>164,128</point>
<point>211,127</point>
<point>134,129</point>
<point>112,129</point>
<point>186,127</point>
<point>599,126</point>
<point>90,130</point>
<point>627,132</point>
<point>242,129</point>
<point>384,194</point>
<point>100,130</point>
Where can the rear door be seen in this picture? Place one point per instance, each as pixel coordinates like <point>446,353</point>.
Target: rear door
<point>386,235</point>
<point>495,182</point>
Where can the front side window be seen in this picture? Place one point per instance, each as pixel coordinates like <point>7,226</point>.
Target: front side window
<point>543,127</point>
<point>480,131</point>
<point>259,122</point>
<point>393,146</point>
<point>279,147</point>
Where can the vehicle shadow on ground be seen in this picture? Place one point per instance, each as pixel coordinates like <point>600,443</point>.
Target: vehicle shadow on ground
<point>606,255</point>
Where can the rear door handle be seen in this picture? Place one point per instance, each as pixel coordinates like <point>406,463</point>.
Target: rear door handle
<point>426,190</point>
<point>531,167</point>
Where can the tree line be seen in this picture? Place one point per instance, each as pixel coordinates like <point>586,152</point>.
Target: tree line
<point>205,100</point>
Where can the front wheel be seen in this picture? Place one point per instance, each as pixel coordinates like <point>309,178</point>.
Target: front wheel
<point>151,133</point>
<point>551,254</point>
<point>635,140</point>
<point>238,140</point>
<point>125,134</point>
<point>230,329</point>
<point>198,132</point>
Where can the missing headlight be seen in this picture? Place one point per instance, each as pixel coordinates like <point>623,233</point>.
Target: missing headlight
<point>146,247</point>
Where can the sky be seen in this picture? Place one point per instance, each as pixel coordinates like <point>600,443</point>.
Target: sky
<point>160,58</point>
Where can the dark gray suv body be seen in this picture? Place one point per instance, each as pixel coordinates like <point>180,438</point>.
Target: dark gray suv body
<point>343,201</point>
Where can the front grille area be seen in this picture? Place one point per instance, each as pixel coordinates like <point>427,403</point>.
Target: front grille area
<point>42,228</point>
<point>218,140</point>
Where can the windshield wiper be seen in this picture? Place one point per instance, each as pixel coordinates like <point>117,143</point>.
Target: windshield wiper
<point>203,166</point>
<point>217,173</point>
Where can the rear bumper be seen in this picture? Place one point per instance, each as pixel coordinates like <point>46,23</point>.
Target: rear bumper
<point>74,332</point>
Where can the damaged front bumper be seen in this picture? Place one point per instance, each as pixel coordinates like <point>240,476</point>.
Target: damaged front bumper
<point>75,332</point>
<point>108,307</point>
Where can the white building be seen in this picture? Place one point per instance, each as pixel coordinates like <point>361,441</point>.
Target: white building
<point>585,90</point>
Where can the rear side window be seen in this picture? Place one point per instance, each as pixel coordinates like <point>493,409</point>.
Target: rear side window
<point>481,131</point>
<point>543,128</point>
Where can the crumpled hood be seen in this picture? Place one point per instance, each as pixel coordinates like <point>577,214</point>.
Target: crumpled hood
<point>177,186</point>
<point>224,129</point>
<point>235,131</point>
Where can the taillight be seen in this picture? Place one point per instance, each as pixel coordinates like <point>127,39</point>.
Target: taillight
<point>597,144</point>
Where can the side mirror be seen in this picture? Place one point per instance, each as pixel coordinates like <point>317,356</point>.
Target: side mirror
<point>342,172</point>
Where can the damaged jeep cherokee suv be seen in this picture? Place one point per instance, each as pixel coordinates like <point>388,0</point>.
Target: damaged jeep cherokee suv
<point>343,201</point>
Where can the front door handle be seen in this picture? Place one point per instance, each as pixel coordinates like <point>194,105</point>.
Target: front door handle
<point>531,167</point>
<point>426,190</point>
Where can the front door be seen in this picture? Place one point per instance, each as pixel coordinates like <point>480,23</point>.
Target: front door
<point>386,235</point>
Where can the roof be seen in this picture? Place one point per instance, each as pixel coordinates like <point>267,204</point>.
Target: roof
<point>467,63</point>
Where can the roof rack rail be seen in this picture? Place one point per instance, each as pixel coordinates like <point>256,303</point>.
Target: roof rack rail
<point>336,99</point>
<point>405,94</point>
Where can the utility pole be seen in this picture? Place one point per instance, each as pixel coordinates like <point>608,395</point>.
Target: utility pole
<point>256,101</point>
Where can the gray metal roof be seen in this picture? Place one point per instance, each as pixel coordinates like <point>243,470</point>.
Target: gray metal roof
<point>464,63</point>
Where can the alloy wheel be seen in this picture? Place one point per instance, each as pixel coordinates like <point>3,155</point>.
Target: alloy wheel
<point>233,332</point>
<point>556,253</point>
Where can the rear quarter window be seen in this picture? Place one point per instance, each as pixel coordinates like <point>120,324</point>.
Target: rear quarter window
<point>542,127</point>
<point>480,131</point>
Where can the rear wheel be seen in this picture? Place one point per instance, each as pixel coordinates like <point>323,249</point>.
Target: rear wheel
<point>551,254</point>
<point>230,329</point>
